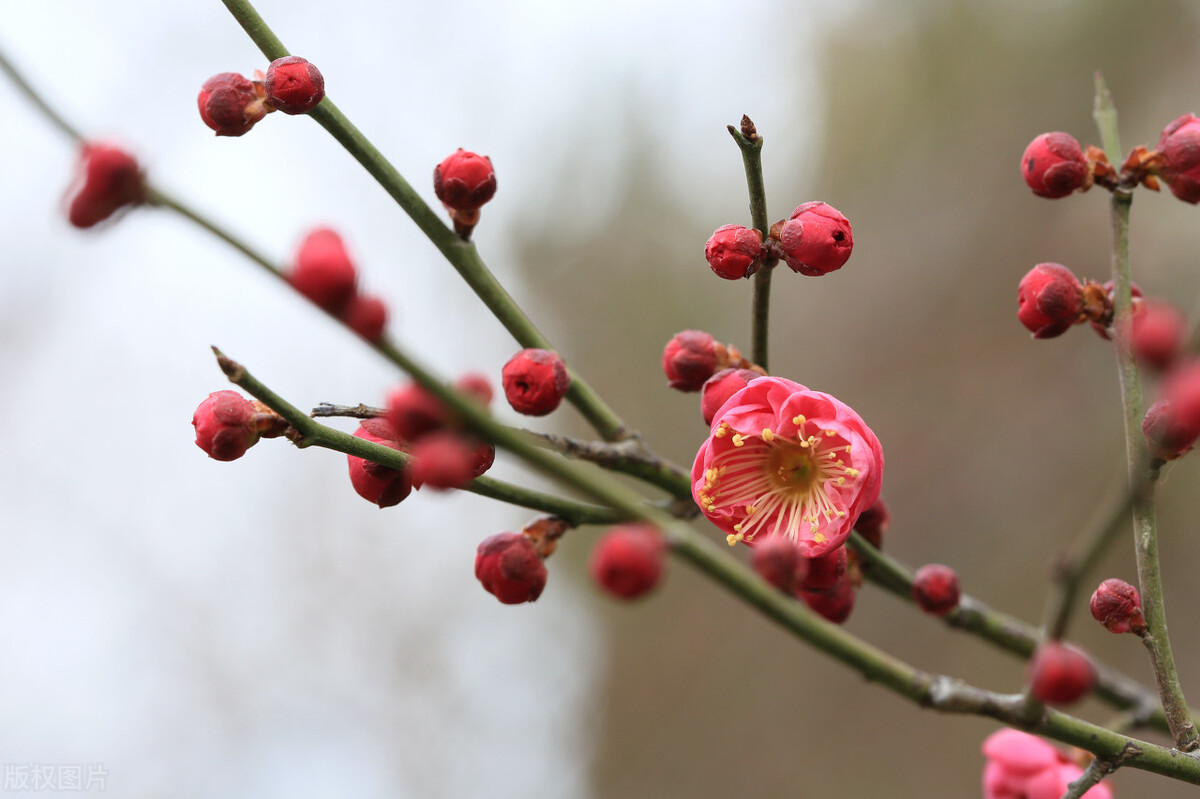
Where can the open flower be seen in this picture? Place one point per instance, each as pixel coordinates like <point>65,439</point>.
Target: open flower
<point>784,460</point>
<point>1023,766</point>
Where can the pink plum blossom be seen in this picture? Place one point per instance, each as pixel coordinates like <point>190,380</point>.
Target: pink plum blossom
<point>1023,766</point>
<point>782,460</point>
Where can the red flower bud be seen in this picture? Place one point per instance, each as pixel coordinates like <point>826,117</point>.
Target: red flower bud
<point>225,425</point>
<point>1117,606</point>
<point>444,459</point>
<point>1053,165</point>
<point>108,179</point>
<point>382,485</point>
<point>476,385</point>
<point>935,589</point>
<point>1060,674</point>
<point>230,104</point>
<point>413,412</point>
<point>1181,388</point>
<point>1157,335</point>
<point>733,251</point>
<point>535,381</point>
<point>816,240</point>
<point>1049,300</point>
<point>720,387</point>
<point>874,522</point>
<point>628,561</point>
<point>293,85</point>
<point>777,560</point>
<point>824,572</point>
<point>1179,147</point>
<point>510,569</point>
<point>323,271</point>
<point>689,359</point>
<point>1167,438</point>
<point>464,181</point>
<point>366,315</point>
<point>835,604</point>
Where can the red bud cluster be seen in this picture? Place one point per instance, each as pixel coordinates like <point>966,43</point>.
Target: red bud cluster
<point>324,273</point>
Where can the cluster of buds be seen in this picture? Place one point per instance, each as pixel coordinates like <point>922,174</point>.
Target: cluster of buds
<point>814,241</point>
<point>828,584</point>
<point>1054,165</point>
<point>439,453</point>
<point>464,182</point>
<point>1051,300</point>
<point>324,273</point>
<point>443,454</point>
<point>627,562</point>
<point>232,104</point>
<point>107,180</point>
<point>692,358</point>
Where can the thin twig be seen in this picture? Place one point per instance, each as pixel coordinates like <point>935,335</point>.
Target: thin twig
<point>1070,569</point>
<point>31,94</point>
<point>359,411</point>
<point>630,457</point>
<point>1005,631</point>
<point>1098,769</point>
<point>309,432</point>
<point>750,143</point>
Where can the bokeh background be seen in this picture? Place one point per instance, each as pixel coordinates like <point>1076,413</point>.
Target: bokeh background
<point>255,629</point>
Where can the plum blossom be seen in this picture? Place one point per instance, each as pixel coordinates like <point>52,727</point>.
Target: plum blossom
<point>1022,766</point>
<point>782,460</point>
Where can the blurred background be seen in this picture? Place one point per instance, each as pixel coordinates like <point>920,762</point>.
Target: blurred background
<point>254,628</point>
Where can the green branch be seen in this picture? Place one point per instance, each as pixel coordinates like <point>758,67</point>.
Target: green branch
<point>1144,528</point>
<point>31,94</point>
<point>1007,632</point>
<point>461,254</point>
<point>933,691</point>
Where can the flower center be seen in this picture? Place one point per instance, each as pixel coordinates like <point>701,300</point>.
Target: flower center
<point>792,467</point>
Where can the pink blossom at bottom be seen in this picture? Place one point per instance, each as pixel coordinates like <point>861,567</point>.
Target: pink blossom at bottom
<point>1023,766</point>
